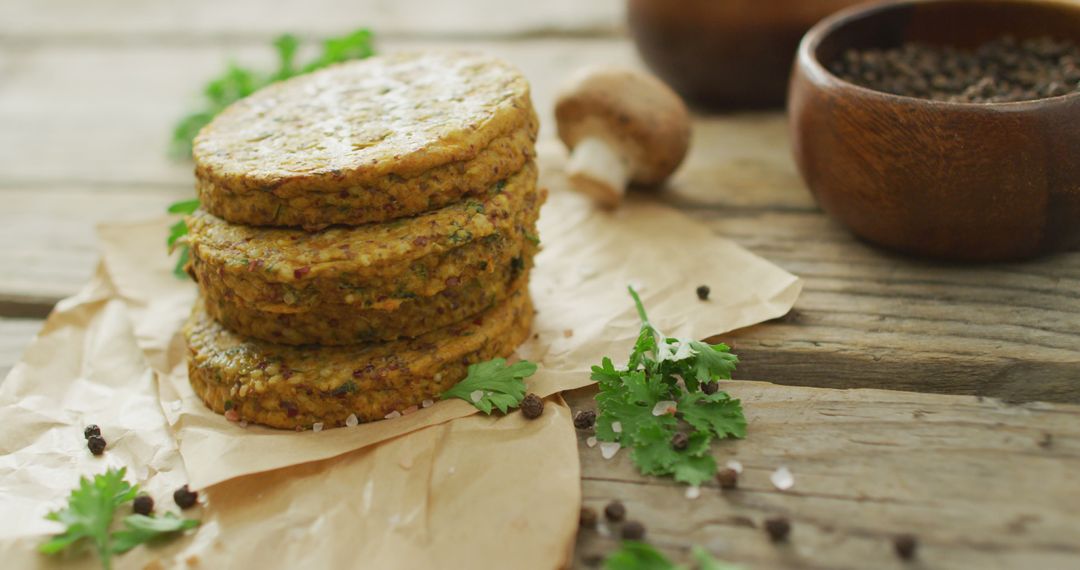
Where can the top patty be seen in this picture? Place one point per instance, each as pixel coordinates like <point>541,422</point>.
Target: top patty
<point>367,141</point>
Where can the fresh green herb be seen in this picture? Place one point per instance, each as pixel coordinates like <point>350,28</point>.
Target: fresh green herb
<point>238,82</point>
<point>139,529</point>
<point>493,384</point>
<point>349,387</point>
<point>633,555</point>
<point>705,561</point>
<point>643,406</point>
<point>177,232</point>
<point>89,516</point>
<point>535,239</point>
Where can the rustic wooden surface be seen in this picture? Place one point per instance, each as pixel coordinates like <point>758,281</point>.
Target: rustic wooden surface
<point>88,93</point>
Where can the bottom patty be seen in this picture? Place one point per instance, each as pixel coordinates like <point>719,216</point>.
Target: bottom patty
<point>289,386</point>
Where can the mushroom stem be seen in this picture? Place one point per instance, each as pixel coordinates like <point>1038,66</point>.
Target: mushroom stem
<point>599,170</point>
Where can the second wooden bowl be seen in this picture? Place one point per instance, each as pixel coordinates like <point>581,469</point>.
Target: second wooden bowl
<point>975,182</point>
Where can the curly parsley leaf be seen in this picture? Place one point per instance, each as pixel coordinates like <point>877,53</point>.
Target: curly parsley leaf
<point>237,82</point>
<point>89,515</point>
<point>717,414</point>
<point>186,207</point>
<point>659,395</point>
<point>633,555</point>
<point>705,561</point>
<point>140,529</point>
<point>177,232</point>
<point>493,384</point>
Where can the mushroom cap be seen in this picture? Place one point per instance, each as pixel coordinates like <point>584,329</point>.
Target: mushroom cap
<point>631,110</point>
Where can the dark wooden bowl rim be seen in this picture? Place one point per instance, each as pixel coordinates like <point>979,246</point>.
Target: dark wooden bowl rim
<point>820,75</point>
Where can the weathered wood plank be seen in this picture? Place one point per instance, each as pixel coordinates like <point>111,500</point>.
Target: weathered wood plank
<point>29,20</point>
<point>980,483</point>
<point>57,248</point>
<point>867,318</point>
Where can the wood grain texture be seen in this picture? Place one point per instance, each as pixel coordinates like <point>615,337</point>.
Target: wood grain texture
<point>868,319</point>
<point>980,483</point>
<point>162,20</point>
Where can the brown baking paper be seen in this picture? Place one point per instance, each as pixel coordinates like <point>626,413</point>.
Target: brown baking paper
<point>442,487</point>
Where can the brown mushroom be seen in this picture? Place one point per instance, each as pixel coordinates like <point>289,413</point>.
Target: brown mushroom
<point>621,126</point>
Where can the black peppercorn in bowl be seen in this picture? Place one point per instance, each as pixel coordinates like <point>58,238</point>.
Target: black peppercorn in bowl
<point>970,176</point>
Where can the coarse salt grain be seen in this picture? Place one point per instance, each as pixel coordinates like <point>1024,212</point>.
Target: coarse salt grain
<point>591,441</point>
<point>232,415</point>
<point>665,407</point>
<point>782,479</point>
<point>409,410</point>
<point>427,403</point>
<point>735,466</point>
<point>603,530</point>
<point>693,492</point>
<point>608,449</point>
<point>616,427</point>
<point>316,427</point>
<point>476,395</point>
<point>392,415</point>
<point>242,423</point>
<point>351,421</point>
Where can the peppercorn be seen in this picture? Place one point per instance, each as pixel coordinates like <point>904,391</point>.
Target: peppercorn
<point>532,406</point>
<point>679,441</point>
<point>184,497</point>
<point>703,292</point>
<point>633,530</point>
<point>710,388</point>
<point>588,517</point>
<point>96,443</point>
<point>143,505</point>
<point>91,430</point>
<point>778,528</point>
<point>584,419</point>
<point>728,478</point>
<point>905,545</point>
<point>615,511</point>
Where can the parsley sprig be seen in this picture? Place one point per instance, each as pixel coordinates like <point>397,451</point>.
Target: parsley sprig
<point>493,384</point>
<point>88,518</point>
<point>661,393</point>
<point>237,82</point>
<point>633,555</point>
<point>177,233</point>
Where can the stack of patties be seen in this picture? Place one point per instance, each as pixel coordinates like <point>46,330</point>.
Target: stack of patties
<point>367,233</point>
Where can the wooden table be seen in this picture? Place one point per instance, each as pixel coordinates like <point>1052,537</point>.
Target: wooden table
<point>948,442</point>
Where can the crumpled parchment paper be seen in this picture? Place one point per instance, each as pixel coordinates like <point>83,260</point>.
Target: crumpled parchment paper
<point>443,487</point>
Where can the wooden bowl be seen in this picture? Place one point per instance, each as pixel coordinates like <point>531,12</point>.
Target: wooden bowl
<point>725,53</point>
<point>959,181</point>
